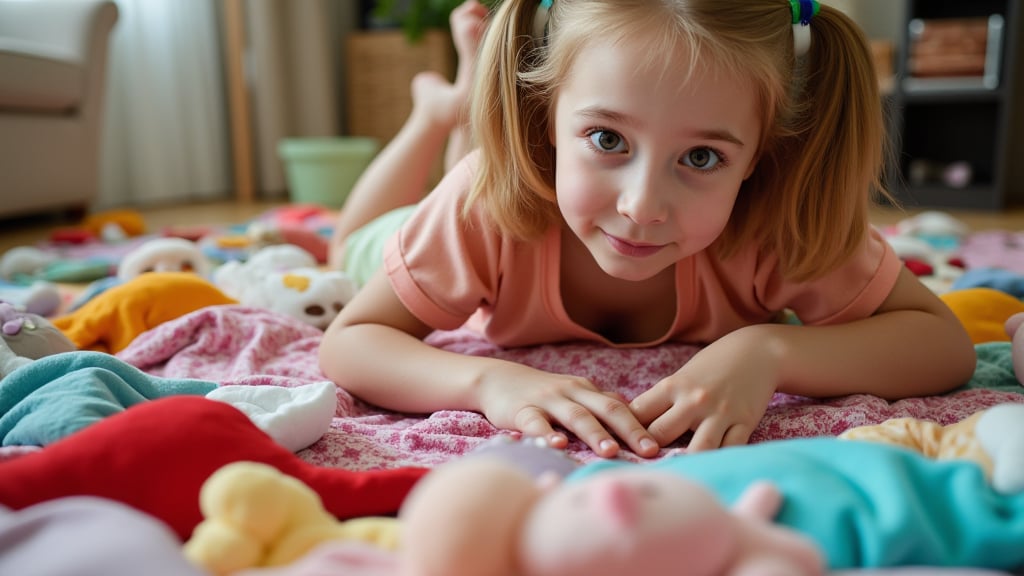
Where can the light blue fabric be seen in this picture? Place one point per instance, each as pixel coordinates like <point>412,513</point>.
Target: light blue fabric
<point>867,504</point>
<point>58,395</point>
<point>1007,281</point>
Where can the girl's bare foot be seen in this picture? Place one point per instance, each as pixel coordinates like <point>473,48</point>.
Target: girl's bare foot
<point>441,102</point>
<point>436,100</point>
<point>467,23</point>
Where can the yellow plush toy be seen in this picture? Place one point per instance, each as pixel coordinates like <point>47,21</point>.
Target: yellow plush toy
<point>994,438</point>
<point>983,312</point>
<point>254,515</point>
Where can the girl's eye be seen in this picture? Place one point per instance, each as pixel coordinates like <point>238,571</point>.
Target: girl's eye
<point>607,141</point>
<point>702,158</point>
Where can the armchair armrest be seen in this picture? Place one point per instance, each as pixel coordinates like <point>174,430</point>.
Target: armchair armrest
<point>69,27</point>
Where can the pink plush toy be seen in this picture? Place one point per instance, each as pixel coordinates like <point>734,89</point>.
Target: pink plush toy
<point>498,521</point>
<point>1015,330</point>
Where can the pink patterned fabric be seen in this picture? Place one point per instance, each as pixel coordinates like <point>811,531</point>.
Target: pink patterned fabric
<point>994,249</point>
<point>247,346</point>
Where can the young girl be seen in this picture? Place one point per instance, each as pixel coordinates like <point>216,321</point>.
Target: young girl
<point>683,170</point>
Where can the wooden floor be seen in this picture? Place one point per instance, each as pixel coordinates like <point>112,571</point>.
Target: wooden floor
<point>32,230</point>
<point>29,231</point>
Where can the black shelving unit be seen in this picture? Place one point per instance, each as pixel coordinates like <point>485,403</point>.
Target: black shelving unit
<point>978,120</point>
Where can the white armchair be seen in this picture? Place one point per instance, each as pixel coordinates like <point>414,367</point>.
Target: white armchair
<point>53,64</point>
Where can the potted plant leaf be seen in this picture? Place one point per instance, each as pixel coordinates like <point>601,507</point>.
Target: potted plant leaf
<point>417,16</point>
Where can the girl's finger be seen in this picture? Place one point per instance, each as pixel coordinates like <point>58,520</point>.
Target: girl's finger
<point>709,434</point>
<point>616,416</point>
<point>737,435</point>
<point>670,425</point>
<point>579,420</point>
<point>532,421</point>
<point>647,407</point>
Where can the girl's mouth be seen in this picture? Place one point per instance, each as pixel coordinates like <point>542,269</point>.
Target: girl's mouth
<point>632,249</point>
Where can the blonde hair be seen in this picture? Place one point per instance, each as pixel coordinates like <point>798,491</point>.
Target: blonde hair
<point>823,145</point>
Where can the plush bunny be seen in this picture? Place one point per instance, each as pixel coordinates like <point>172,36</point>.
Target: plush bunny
<point>499,521</point>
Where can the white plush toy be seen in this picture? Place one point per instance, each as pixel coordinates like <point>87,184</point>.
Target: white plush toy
<point>163,255</point>
<point>309,294</point>
<point>234,277</point>
<point>284,278</point>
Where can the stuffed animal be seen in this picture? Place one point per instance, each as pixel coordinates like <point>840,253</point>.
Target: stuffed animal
<point>498,521</point>
<point>24,261</point>
<point>283,278</point>
<point>39,297</point>
<point>27,337</point>
<point>311,295</point>
<point>257,516</point>
<point>156,457</point>
<point>233,277</point>
<point>844,503</point>
<point>993,438</point>
<point>114,318</point>
<point>163,255</point>
<point>983,312</point>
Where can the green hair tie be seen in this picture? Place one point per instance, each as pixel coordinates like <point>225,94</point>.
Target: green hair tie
<point>804,10</point>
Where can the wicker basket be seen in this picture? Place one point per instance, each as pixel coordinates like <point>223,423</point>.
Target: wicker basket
<point>381,65</point>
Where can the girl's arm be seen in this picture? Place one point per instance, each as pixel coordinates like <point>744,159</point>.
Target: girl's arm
<point>375,350</point>
<point>913,345</point>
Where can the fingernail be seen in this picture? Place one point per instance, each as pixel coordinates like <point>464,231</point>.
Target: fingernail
<point>648,445</point>
<point>608,445</point>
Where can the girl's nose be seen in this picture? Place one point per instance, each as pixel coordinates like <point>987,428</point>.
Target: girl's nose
<point>640,200</point>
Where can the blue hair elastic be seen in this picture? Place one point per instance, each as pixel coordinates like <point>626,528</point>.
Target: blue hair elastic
<point>804,10</point>
<point>540,19</point>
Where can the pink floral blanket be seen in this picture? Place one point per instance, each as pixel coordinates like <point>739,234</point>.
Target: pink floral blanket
<point>248,346</point>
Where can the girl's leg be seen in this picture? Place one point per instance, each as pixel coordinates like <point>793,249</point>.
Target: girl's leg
<point>467,24</point>
<point>400,173</point>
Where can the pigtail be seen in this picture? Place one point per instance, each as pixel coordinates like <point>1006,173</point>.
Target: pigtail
<point>509,117</point>
<point>831,164</point>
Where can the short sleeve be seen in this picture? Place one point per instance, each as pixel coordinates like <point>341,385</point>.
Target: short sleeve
<point>444,267</point>
<point>852,291</point>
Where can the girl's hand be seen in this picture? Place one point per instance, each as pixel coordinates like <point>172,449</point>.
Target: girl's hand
<point>532,401</point>
<point>721,393</point>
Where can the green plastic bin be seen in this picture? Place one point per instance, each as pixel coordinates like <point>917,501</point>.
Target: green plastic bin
<point>323,170</point>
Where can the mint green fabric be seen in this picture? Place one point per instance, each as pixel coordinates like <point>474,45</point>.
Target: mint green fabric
<point>364,248</point>
<point>61,394</point>
<point>994,370</point>
<point>867,504</point>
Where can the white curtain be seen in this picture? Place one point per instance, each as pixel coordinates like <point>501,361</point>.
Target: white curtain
<point>166,125</point>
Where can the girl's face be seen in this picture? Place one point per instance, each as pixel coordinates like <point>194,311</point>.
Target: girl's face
<point>649,162</point>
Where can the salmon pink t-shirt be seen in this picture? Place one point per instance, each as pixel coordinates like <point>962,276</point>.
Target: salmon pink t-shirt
<point>451,271</point>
